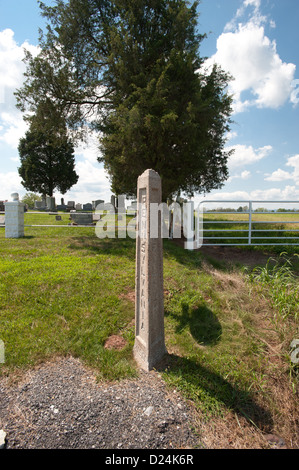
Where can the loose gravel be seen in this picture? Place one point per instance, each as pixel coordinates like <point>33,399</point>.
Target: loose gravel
<point>60,405</point>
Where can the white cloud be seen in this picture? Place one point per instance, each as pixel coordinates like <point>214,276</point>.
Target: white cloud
<point>245,175</point>
<point>251,58</point>
<point>276,194</point>
<point>255,3</point>
<point>289,193</point>
<point>12,126</point>
<point>246,155</point>
<point>11,56</point>
<point>294,162</point>
<point>272,24</point>
<point>279,175</point>
<point>89,150</point>
<point>10,182</point>
<point>255,18</point>
<point>231,135</point>
<point>93,184</point>
<point>282,175</point>
<point>295,92</point>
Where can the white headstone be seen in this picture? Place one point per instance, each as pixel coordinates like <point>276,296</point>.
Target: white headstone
<point>14,217</point>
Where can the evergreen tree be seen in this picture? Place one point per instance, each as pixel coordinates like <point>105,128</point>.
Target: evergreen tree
<point>131,70</point>
<point>46,153</point>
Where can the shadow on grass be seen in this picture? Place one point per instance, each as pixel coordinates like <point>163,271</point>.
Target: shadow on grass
<point>106,246</point>
<point>191,259</point>
<point>208,390</point>
<point>203,324</point>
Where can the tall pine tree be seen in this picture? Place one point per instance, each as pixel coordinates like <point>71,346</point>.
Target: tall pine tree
<point>131,70</point>
<point>46,153</point>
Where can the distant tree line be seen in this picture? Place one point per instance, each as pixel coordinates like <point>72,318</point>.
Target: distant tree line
<point>246,209</point>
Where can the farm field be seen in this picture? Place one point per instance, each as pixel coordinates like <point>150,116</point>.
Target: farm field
<point>280,229</point>
<point>230,317</point>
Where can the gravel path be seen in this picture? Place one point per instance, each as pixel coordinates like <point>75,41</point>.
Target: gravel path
<point>59,405</point>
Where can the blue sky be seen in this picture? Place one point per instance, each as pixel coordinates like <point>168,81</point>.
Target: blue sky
<point>256,41</point>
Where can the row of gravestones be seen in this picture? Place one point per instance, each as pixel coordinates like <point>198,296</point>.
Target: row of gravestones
<point>49,204</point>
<point>149,346</point>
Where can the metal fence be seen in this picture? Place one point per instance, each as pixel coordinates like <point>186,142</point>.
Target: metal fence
<point>71,224</point>
<point>253,231</point>
<point>57,223</point>
<point>211,228</point>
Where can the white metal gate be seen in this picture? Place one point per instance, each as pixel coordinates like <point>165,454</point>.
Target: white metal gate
<point>252,231</point>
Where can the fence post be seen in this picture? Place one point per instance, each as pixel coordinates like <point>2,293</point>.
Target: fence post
<point>250,223</point>
<point>188,225</point>
<point>199,226</point>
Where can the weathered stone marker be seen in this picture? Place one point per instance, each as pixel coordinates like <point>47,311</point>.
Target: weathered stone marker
<point>149,347</point>
<point>14,218</point>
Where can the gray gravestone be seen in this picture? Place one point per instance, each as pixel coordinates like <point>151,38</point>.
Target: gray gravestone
<point>96,203</point>
<point>38,205</point>
<point>149,347</point>
<point>87,207</point>
<point>81,218</point>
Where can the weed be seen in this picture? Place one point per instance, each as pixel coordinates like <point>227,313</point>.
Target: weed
<point>281,283</point>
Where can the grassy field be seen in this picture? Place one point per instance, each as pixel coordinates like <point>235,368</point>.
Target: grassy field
<point>63,291</point>
<point>264,225</point>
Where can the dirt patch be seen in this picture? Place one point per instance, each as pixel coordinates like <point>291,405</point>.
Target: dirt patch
<point>230,254</point>
<point>234,255</point>
<point>115,342</point>
<point>128,296</point>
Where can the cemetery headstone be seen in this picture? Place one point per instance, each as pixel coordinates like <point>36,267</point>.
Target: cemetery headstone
<point>38,205</point>
<point>70,206</point>
<point>96,203</point>
<point>82,219</point>
<point>14,218</point>
<point>87,206</point>
<point>51,204</point>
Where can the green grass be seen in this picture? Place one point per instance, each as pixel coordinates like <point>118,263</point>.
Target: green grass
<point>277,277</point>
<point>59,294</point>
<point>63,291</point>
<point>272,230</point>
